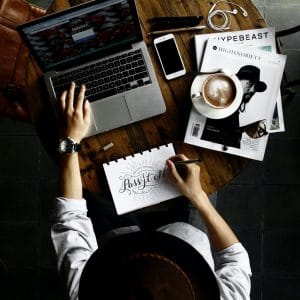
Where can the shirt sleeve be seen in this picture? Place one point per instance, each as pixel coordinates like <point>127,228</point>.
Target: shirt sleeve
<point>233,272</point>
<point>74,240</point>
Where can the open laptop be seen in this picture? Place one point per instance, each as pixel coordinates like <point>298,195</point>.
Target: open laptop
<point>98,44</point>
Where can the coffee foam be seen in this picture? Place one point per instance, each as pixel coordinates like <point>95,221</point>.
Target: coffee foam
<point>219,90</point>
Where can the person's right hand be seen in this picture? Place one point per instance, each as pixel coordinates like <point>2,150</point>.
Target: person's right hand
<point>188,181</point>
<point>74,119</point>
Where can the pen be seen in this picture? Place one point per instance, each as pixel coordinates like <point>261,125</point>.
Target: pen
<point>162,23</point>
<point>177,30</point>
<point>177,19</point>
<point>183,162</point>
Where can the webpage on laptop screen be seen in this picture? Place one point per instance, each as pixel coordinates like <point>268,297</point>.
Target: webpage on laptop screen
<point>75,35</point>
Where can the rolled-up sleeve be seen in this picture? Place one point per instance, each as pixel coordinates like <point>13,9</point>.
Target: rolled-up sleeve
<point>74,240</point>
<point>233,272</point>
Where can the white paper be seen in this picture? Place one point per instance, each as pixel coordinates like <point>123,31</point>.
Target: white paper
<point>141,180</point>
<point>214,134</point>
<point>262,38</point>
<point>270,65</point>
<point>249,147</point>
<point>259,38</point>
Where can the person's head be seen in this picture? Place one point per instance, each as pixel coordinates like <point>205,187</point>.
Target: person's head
<point>249,77</point>
<point>147,266</point>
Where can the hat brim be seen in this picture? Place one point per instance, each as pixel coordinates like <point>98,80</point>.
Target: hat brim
<point>95,279</point>
<point>260,86</point>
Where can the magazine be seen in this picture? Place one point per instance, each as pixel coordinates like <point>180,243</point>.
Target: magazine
<point>243,133</point>
<point>262,38</point>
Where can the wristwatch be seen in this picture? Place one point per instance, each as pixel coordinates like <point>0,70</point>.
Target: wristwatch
<point>68,145</point>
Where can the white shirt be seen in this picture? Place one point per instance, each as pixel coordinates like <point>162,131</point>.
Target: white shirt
<point>75,241</point>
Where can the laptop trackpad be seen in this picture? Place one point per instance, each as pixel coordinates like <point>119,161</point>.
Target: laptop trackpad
<point>111,113</point>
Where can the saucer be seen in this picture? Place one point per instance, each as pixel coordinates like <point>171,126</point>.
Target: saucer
<point>208,111</point>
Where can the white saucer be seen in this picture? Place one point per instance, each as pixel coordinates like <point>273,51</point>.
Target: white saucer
<point>208,111</point>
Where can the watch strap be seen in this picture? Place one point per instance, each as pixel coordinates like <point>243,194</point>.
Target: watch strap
<point>77,147</point>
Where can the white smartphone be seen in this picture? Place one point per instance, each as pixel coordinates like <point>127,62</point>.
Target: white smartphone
<point>169,56</point>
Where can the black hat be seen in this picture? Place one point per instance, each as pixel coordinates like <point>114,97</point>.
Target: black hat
<point>147,266</point>
<point>252,74</point>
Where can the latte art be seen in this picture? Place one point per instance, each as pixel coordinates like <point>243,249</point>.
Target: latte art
<point>219,90</point>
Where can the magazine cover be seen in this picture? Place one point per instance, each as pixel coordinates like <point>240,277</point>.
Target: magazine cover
<point>262,38</point>
<point>243,133</point>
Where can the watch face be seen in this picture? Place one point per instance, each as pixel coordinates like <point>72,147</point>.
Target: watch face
<point>66,146</point>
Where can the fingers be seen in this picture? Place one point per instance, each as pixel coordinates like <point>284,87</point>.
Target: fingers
<point>75,115</point>
<point>80,98</point>
<point>67,99</point>
<point>70,97</point>
<point>173,171</point>
<point>62,101</point>
<point>86,111</point>
<point>179,157</point>
<point>186,170</point>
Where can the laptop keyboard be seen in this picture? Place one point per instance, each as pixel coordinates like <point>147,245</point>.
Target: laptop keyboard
<point>108,77</point>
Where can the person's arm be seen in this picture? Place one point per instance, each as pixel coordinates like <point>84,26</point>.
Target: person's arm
<point>232,266</point>
<point>74,122</point>
<point>72,231</point>
<point>220,234</point>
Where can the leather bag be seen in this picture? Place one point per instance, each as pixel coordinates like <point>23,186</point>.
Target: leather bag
<point>14,56</point>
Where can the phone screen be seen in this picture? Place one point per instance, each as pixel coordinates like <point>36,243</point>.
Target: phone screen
<point>169,56</point>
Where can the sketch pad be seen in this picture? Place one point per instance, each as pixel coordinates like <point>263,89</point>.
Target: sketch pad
<point>140,180</point>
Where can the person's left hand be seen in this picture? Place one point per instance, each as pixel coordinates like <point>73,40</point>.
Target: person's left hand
<point>74,120</point>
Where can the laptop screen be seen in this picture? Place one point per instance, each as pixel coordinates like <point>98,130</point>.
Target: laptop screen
<point>87,30</point>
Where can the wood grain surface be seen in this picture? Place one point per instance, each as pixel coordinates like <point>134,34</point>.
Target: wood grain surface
<point>217,169</point>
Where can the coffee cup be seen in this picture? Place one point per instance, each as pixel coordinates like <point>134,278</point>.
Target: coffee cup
<point>216,95</point>
<point>218,90</point>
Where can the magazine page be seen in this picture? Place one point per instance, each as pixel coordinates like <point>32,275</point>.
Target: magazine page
<point>199,133</point>
<point>244,132</point>
<point>262,38</point>
<point>277,123</point>
<point>267,68</point>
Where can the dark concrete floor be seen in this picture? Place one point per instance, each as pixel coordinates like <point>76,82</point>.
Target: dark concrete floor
<point>261,204</point>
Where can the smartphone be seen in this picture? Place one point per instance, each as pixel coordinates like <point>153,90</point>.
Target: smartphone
<point>169,56</point>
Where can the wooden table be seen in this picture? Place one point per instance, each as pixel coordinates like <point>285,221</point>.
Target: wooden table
<point>217,168</point>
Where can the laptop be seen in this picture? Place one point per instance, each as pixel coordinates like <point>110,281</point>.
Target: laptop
<point>98,44</point>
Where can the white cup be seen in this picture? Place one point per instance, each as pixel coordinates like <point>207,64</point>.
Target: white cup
<point>218,90</point>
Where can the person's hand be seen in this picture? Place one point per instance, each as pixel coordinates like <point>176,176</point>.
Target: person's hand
<point>187,180</point>
<point>74,119</point>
